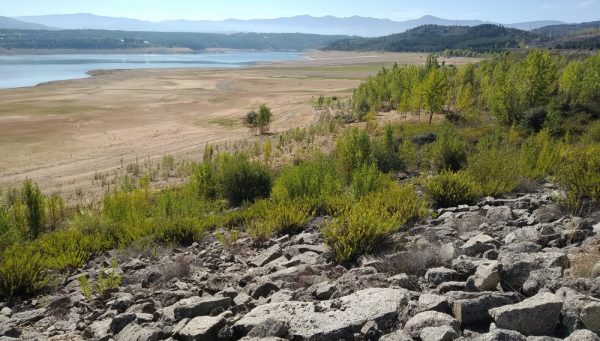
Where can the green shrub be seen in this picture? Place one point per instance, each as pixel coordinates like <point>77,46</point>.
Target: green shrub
<point>312,178</point>
<point>34,202</point>
<point>353,149</point>
<point>278,218</point>
<point>540,155</point>
<point>579,174</point>
<point>22,271</point>
<point>362,227</point>
<point>242,180</point>
<point>180,231</point>
<point>449,189</point>
<point>495,167</point>
<point>108,280</point>
<point>367,179</point>
<point>385,152</point>
<point>204,181</point>
<point>70,249</point>
<point>448,151</point>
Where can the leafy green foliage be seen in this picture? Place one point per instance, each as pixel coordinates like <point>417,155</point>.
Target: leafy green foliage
<point>367,179</point>
<point>22,271</point>
<point>313,178</point>
<point>108,280</point>
<point>449,189</point>
<point>284,218</point>
<point>494,167</point>
<point>365,225</point>
<point>34,203</point>
<point>242,180</point>
<point>179,230</point>
<point>353,150</point>
<point>580,175</point>
<point>259,121</point>
<point>449,152</point>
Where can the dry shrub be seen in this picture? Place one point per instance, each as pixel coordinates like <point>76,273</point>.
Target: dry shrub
<point>416,260</point>
<point>180,268</point>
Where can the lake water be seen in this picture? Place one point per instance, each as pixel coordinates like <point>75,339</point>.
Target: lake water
<point>30,70</point>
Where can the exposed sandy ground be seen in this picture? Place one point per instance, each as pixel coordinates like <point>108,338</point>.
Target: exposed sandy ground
<point>60,134</point>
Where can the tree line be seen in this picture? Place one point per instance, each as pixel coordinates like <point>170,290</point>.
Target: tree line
<point>536,90</point>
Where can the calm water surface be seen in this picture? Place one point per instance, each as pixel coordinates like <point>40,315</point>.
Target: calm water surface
<point>30,70</point>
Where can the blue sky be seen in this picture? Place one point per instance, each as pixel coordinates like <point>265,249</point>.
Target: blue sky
<point>505,11</point>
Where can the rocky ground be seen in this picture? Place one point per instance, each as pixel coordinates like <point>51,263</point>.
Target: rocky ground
<point>500,270</point>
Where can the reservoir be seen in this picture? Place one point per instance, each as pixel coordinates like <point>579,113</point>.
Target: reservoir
<point>29,70</point>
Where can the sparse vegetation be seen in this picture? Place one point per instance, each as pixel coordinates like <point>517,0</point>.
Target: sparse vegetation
<point>492,138</point>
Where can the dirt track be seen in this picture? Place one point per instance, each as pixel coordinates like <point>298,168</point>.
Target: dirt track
<point>61,134</point>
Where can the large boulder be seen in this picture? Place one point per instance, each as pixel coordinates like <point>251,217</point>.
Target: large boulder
<point>415,326</point>
<point>537,315</point>
<point>583,335</point>
<point>334,319</point>
<point>475,310</point>
<point>201,328</point>
<point>516,267</point>
<point>487,276</point>
<point>437,276</point>
<point>478,245</point>
<point>135,332</point>
<point>196,306</point>
<point>501,335</point>
<point>579,311</point>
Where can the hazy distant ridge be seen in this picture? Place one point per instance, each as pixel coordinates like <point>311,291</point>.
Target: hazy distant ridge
<point>330,25</point>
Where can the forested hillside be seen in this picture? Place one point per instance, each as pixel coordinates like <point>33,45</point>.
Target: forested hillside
<point>99,39</point>
<point>433,38</point>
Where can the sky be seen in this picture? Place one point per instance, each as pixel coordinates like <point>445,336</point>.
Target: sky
<point>505,11</point>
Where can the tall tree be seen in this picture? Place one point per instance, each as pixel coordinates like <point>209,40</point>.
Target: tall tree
<point>434,92</point>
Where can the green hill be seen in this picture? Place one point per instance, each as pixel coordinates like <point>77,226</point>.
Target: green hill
<point>433,38</point>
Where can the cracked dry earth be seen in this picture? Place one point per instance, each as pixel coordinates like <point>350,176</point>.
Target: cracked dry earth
<point>500,270</point>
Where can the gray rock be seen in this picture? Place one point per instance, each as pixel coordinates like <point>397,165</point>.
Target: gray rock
<point>121,321</point>
<point>590,316</point>
<point>437,276</point>
<point>29,316</point>
<point>499,213</point>
<point>516,267</point>
<point>333,319</point>
<point>121,301</point>
<point>404,281</point>
<point>398,335</point>
<point>197,306</point>
<point>201,328</point>
<point>266,256</point>
<point>134,332</point>
<point>475,309</point>
<point>583,335</point>
<point>478,245</point>
<point>427,319</point>
<point>324,290</point>
<point>269,328</point>
<point>99,330</point>
<point>441,333</point>
<point>522,247</point>
<point>525,234</point>
<point>501,335</point>
<point>537,315</point>
<point>6,311</point>
<point>433,302</point>
<point>263,289</point>
<point>242,299</point>
<point>539,278</point>
<point>547,213</point>
<point>487,276</point>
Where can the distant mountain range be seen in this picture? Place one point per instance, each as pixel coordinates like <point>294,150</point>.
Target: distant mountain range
<point>14,24</point>
<point>328,25</point>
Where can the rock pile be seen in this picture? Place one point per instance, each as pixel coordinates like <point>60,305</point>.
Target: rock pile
<point>499,270</point>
